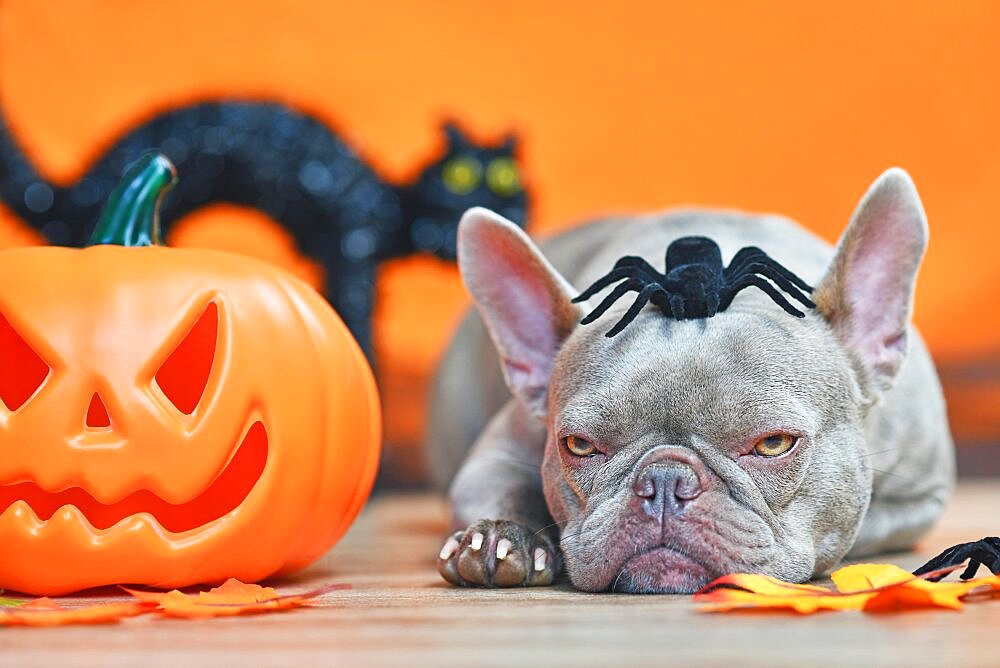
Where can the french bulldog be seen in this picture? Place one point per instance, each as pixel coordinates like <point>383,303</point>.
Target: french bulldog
<point>681,450</point>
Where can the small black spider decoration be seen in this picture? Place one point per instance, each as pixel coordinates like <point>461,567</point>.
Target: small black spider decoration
<point>695,284</point>
<point>985,552</point>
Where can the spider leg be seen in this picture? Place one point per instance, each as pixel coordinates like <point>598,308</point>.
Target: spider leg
<point>752,254</point>
<point>975,561</point>
<point>712,305</point>
<point>631,284</point>
<point>612,276</point>
<point>752,279</point>
<point>743,257</point>
<point>637,262</point>
<point>943,560</point>
<point>662,300</point>
<point>744,254</point>
<point>677,306</point>
<point>727,294</point>
<point>981,553</point>
<point>768,271</point>
<point>626,267</point>
<point>988,554</point>
<point>985,552</point>
<point>634,309</point>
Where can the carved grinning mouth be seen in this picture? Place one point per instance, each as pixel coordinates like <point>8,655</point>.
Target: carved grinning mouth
<point>225,494</point>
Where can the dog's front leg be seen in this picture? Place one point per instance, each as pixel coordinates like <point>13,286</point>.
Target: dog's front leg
<point>505,536</point>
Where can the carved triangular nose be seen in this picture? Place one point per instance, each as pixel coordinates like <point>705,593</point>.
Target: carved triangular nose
<point>97,413</point>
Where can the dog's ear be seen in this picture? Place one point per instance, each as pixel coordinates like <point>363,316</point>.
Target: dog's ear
<point>524,301</point>
<point>867,293</point>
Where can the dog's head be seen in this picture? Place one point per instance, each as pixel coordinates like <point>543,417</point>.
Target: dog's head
<point>678,451</point>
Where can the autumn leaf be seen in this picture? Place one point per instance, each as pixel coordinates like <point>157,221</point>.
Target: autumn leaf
<point>896,589</point>
<point>867,587</point>
<point>45,612</point>
<point>743,591</point>
<point>231,598</point>
<point>766,585</point>
<point>919,593</point>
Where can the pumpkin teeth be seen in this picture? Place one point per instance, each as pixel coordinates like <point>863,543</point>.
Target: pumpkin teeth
<point>22,517</point>
<point>21,512</point>
<point>226,492</point>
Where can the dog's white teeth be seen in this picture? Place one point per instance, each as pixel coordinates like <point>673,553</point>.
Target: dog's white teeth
<point>477,541</point>
<point>449,549</point>
<point>503,548</point>
<point>540,558</point>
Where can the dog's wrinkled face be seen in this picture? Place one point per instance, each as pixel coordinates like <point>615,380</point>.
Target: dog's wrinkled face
<point>681,451</point>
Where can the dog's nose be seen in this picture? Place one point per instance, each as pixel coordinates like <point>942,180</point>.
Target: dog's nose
<point>666,489</point>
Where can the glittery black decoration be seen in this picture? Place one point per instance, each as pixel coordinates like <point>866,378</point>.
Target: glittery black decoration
<point>293,168</point>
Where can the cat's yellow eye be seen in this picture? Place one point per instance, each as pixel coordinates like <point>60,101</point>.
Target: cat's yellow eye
<point>580,447</point>
<point>775,445</point>
<point>462,174</point>
<point>502,177</point>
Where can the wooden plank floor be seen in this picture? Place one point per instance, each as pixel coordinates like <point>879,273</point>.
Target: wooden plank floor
<point>400,613</point>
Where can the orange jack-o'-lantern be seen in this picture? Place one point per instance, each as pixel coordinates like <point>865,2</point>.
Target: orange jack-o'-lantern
<point>169,416</point>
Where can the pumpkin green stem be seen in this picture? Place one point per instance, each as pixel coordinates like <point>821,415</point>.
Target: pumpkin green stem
<point>131,216</point>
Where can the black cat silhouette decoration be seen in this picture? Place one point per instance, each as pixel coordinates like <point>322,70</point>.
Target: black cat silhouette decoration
<point>296,170</point>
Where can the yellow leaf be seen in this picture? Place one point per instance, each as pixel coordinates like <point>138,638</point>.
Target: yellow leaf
<point>865,577</point>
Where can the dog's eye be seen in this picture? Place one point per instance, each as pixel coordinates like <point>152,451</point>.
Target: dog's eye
<point>774,445</point>
<point>580,447</point>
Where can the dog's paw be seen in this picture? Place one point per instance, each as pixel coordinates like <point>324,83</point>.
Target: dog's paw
<point>498,553</point>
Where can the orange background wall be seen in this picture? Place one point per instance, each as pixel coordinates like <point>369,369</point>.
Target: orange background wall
<point>791,107</point>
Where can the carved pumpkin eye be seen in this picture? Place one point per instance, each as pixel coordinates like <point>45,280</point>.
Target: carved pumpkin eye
<point>184,375</point>
<point>462,174</point>
<point>22,370</point>
<point>775,445</point>
<point>579,447</point>
<point>502,177</point>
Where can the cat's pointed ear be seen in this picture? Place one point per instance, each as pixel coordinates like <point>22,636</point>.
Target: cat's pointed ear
<point>867,293</point>
<point>456,138</point>
<point>526,304</point>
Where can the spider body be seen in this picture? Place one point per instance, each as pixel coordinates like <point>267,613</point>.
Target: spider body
<point>694,283</point>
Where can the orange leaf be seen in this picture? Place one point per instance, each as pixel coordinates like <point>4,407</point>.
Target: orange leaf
<point>231,598</point>
<point>765,584</point>
<point>868,587</point>
<point>725,601</point>
<point>763,591</point>
<point>45,612</point>
<point>919,593</point>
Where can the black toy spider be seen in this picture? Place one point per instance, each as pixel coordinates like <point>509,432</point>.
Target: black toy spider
<point>694,283</point>
<point>985,552</point>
